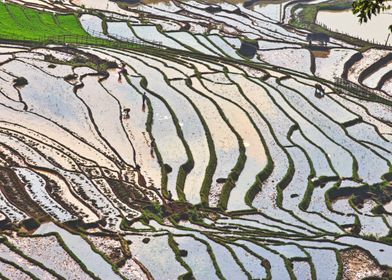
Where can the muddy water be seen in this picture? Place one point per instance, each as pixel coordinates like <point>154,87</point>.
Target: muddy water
<point>225,142</point>
<point>105,112</point>
<point>35,187</point>
<point>301,270</point>
<point>277,266</point>
<point>93,261</point>
<point>250,262</point>
<point>62,108</point>
<point>325,263</point>
<point>136,125</point>
<point>345,22</point>
<point>272,9</point>
<point>157,256</point>
<point>255,152</point>
<point>198,259</point>
<point>65,193</point>
<point>49,252</point>
<point>10,255</point>
<point>163,128</point>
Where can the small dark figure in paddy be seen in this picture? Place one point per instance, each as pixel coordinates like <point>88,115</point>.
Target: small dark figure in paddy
<point>152,148</point>
<point>319,91</point>
<point>144,96</point>
<point>140,178</point>
<point>122,71</point>
<point>170,196</point>
<point>126,113</point>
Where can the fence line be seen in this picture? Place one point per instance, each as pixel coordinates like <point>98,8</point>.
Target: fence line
<point>357,89</point>
<point>95,38</point>
<point>135,41</point>
<point>372,41</point>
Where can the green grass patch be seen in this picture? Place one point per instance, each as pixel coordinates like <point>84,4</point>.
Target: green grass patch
<point>22,22</point>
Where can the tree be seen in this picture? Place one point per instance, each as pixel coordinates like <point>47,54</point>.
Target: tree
<point>366,9</point>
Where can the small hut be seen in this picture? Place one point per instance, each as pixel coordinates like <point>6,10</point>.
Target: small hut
<point>213,9</point>
<point>318,37</point>
<point>249,48</point>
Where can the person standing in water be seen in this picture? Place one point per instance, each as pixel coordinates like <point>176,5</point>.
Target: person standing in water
<point>144,96</point>
<point>122,71</point>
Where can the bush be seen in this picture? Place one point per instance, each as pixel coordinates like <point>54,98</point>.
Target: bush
<point>183,253</point>
<point>168,168</point>
<point>70,77</point>
<point>30,224</point>
<point>20,81</point>
<point>187,276</point>
<point>146,240</point>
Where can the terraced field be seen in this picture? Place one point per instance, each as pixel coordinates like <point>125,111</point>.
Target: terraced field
<point>19,21</point>
<point>190,159</point>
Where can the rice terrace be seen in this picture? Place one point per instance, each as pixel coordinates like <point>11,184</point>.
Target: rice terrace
<point>190,139</point>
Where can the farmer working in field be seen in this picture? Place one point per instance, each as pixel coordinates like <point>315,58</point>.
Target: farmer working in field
<point>122,71</point>
<point>319,91</point>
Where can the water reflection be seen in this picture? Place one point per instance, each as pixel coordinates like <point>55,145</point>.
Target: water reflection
<point>345,22</point>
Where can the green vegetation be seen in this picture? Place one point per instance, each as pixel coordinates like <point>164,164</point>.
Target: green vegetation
<point>174,246</point>
<point>365,9</point>
<point>31,224</point>
<point>21,22</point>
<point>20,81</point>
<point>254,236</point>
<point>100,65</point>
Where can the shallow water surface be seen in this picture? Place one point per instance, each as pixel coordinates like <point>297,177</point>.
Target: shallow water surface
<point>345,22</point>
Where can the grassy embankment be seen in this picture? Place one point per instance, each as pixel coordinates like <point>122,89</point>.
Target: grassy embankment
<point>21,22</point>
<point>26,24</point>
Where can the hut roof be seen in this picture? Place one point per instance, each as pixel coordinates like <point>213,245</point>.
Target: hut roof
<point>321,37</point>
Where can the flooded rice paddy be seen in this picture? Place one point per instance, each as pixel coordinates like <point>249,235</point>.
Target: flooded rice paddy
<point>180,158</point>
